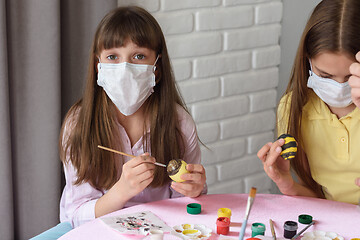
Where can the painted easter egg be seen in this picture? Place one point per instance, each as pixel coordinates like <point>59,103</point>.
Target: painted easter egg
<point>289,148</point>
<point>176,168</point>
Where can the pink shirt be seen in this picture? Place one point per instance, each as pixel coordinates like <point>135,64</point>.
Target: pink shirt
<point>77,204</point>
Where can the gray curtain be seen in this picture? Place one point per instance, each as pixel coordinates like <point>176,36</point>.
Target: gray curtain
<point>44,47</point>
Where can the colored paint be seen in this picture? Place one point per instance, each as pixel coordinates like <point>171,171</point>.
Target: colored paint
<point>224,212</point>
<point>290,229</point>
<point>190,231</point>
<point>222,225</point>
<point>257,229</point>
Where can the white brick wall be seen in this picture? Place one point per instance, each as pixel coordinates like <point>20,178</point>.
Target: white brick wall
<point>226,55</point>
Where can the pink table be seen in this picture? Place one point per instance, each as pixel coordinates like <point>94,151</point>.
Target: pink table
<point>330,216</point>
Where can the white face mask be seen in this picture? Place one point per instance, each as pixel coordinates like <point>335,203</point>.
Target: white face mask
<point>127,85</point>
<point>333,93</point>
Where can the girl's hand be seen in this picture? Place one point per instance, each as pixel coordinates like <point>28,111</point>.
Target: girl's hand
<point>276,167</point>
<point>354,81</point>
<point>195,181</point>
<point>136,175</point>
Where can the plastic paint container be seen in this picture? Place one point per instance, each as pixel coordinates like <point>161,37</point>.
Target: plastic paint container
<point>257,229</point>
<point>305,219</point>
<point>290,229</point>
<point>193,208</point>
<point>222,225</point>
<point>224,212</point>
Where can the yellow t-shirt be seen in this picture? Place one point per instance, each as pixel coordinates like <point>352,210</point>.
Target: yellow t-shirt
<point>332,147</point>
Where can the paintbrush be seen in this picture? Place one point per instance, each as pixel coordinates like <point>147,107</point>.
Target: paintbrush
<point>248,208</point>
<point>128,155</point>
<point>272,229</point>
<point>303,230</point>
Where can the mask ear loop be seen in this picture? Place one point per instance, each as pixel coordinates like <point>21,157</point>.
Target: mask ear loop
<point>99,62</point>
<point>311,70</point>
<point>154,65</point>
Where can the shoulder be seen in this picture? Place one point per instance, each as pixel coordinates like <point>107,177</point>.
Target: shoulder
<point>187,127</point>
<point>70,121</point>
<point>186,122</point>
<point>72,117</point>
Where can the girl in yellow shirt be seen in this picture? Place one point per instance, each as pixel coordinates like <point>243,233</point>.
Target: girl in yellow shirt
<point>317,109</point>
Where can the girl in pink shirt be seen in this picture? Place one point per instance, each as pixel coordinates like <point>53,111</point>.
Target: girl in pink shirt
<point>130,104</point>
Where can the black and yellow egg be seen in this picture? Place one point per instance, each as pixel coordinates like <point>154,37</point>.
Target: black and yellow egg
<point>289,148</point>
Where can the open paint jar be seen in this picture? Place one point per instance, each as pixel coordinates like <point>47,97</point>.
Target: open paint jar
<point>222,225</point>
<point>290,228</point>
<point>257,229</point>
<point>224,212</point>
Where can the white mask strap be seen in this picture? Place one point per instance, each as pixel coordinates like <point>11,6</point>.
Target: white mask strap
<point>154,67</point>
<point>99,62</point>
<point>311,70</point>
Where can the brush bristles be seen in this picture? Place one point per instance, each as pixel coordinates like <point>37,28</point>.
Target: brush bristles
<point>252,192</point>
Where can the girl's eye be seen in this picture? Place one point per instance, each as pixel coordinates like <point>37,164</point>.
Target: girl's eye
<point>111,57</point>
<point>139,57</point>
<point>324,76</point>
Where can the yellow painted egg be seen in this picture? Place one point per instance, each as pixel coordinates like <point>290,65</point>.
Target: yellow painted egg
<point>176,168</point>
<point>289,148</point>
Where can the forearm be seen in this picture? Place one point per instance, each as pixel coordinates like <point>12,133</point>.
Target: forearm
<point>297,189</point>
<point>112,201</point>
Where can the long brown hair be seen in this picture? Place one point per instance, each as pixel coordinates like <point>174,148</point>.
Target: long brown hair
<point>334,26</point>
<point>96,122</point>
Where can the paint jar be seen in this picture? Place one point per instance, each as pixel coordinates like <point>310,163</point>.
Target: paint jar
<point>257,229</point>
<point>290,228</point>
<point>305,219</point>
<point>156,234</point>
<point>222,225</point>
<point>193,208</point>
<point>224,212</point>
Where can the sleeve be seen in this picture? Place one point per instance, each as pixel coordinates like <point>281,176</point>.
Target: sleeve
<point>77,204</point>
<point>192,150</point>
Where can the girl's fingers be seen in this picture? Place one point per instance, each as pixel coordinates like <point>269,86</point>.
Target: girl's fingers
<point>357,56</point>
<point>139,160</point>
<point>183,187</point>
<point>263,152</point>
<point>195,168</point>
<point>355,93</point>
<point>188,189</point>
<point>195,177</point>
<point>354,82</point>
<point>178,188</point>
<point>355,71</point>
<point>274,152</point>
